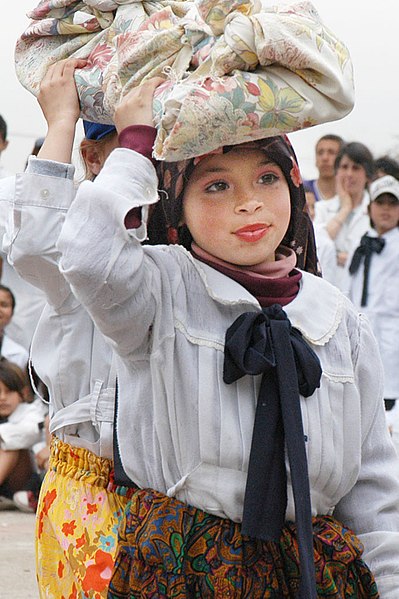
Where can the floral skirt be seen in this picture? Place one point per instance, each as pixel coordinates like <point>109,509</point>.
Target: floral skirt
<point>77,522</point>
<point>168,549</point>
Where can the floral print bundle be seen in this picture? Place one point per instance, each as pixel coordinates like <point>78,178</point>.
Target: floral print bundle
<point>235,70</point>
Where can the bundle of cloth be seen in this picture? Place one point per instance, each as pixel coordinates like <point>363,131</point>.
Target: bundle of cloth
<point>235,70</point>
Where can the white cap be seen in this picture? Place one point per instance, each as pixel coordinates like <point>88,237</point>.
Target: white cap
<point>382,185</point>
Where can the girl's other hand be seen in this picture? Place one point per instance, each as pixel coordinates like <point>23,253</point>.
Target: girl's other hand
<point>58,97</point>
<point>136,107</point>
<point>345,199</point>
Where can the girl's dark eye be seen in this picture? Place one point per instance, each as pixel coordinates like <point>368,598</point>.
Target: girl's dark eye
<point>217,186</point>
<point>268,178</point>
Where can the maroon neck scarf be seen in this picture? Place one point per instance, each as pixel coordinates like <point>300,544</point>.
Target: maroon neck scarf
<point>267,289</point>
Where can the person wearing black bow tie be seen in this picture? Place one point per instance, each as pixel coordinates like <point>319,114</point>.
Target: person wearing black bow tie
<point>374,288</point>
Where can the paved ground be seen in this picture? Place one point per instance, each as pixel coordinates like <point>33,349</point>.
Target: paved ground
<point>17,559</point>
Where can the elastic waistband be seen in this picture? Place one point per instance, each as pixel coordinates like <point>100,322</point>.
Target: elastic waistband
<point>79,463</point>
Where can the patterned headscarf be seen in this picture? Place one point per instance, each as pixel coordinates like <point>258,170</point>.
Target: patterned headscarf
<point>173,177</point>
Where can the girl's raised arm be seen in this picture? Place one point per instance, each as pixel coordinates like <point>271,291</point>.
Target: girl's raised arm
<point>59,102</point>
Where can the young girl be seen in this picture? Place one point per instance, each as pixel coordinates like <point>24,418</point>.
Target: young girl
<point>374,270</point>
<point>79,506</point>
<point>210,368</point>
<point>21,423</point>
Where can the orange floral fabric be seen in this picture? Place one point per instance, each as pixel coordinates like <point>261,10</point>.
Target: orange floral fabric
<point>77,524</point>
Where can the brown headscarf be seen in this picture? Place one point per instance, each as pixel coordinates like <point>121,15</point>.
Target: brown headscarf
<point>173,177</point>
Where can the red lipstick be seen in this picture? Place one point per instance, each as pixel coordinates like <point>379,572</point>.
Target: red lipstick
<point>252,232</point>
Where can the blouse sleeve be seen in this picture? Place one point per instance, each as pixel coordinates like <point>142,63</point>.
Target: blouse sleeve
<point>371,508</point>
<point>42,196</point>
<point>103,261</point>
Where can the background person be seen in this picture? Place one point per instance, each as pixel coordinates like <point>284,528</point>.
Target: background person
<point>386,166</point>
<point>345,217</point>
<point>327,148</point>
<point>374,286</point>
<point>21,423</point>
<point>80,504</point>
<point>10,349</point>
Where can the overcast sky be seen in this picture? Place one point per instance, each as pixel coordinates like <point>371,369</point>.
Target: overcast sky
<point>370,31</point>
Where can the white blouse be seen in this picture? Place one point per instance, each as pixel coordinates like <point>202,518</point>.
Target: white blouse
<point>181,429</point>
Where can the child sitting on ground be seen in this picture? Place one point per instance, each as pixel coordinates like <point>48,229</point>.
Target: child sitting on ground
<point>21,424</point>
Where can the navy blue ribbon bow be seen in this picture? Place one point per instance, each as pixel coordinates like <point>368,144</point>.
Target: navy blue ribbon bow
<point>368,245</point>
<point>266,343</point>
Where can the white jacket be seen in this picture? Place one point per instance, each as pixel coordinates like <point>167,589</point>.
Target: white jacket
<point>24,427</point>
<point>181,429</point>
<point>383,305</point>
<point>68,353</point>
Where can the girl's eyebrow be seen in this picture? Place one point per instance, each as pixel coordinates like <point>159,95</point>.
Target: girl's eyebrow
<point>220,169</point>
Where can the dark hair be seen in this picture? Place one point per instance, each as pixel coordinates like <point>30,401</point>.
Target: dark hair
<point>3,128</point>
<point>331,137</point>
<point>12,296</point>
<point>13,377</point>
<point>387,165</point>
<point>359,154</point>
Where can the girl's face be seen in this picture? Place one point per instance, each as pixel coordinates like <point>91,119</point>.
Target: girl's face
<point>384,212</point>
<point>237,206</point>
<point>9,400</point>
<point>353,176</point>
<point>6,309</point>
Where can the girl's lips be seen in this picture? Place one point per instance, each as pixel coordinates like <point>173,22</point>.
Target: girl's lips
<point>252,232</point>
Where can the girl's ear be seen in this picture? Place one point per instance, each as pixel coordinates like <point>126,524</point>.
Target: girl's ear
<point>92,155</point>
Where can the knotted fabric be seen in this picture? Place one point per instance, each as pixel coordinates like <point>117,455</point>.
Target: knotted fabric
<point>368,245</point>
<point>236,70</point>
<point>266,343</point>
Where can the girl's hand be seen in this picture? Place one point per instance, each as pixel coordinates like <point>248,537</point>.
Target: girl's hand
<point>58,97</point>
<point>346,202</point>
<point>136,107</point>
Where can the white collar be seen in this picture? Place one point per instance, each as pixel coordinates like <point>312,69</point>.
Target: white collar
<point>317,323</point>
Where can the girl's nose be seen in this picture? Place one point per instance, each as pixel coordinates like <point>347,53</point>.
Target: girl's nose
<point>248,204</point>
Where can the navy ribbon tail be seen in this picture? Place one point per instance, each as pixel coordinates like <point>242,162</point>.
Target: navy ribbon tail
<point>368,246</point>
<point>265,343</point>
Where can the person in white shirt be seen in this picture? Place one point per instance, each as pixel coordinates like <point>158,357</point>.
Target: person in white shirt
<point>202,389</point>
<point>70,356</point>
<point>21,424</point>
<point>345,216</point>
<point>374,287</point>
